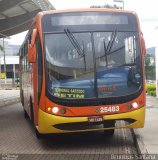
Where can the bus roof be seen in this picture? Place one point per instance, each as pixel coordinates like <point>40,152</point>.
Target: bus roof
<point>43,13</point>
<point>87,10</point>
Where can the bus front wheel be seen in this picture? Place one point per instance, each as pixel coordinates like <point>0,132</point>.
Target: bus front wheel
<point>25,114</point>
<point>38,135</point>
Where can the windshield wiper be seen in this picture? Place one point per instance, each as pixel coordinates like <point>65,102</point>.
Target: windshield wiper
<point>76,45</point>
<point>109,46</point>
<point>74,42</point>
<point>105,52</point>
<point>111,42</point>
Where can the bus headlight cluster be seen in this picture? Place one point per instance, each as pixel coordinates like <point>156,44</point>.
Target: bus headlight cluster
<point>129,106</point>
<point>55,110</point>
<point>62,110</point>
<point>135,105</point>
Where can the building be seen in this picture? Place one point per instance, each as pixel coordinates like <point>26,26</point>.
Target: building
<point>10,49</point>
<point>11,61</point>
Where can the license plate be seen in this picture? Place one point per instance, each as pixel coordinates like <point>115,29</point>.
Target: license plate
<point>95,119</point>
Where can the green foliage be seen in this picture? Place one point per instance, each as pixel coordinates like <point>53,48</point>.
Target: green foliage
<point>147,60</point>
<point>151,89</point>
<point>150,72</point>
<point>106,6</point>
<point>1,48</point>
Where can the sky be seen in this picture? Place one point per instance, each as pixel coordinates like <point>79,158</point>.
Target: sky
<point>146,10</point>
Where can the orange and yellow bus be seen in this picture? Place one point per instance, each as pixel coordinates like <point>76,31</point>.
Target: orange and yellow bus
<point>83,70</point>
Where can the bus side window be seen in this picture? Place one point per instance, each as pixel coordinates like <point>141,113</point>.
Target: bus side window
<point>39,66</point>
<point>22,59</point>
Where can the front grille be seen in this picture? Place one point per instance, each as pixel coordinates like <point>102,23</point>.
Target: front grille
<point>87,125</point>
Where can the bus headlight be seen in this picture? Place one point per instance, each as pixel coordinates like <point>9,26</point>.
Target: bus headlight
<point>55,110</point>
<point>135,105</point>
<point>49,109</point>
<point>63,111</point>
<point>129,106</point>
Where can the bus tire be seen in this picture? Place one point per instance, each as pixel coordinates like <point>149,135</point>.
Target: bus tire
<point>38,135</point>
<point>31,110</point>
<point>110,132</point>
<point>22,97</point>
<point>25,114</point>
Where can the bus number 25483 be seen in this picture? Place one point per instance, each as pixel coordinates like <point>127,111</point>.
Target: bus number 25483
<point>109,109</point>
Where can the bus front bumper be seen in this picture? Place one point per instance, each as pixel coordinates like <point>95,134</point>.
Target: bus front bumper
<point>47,123</point>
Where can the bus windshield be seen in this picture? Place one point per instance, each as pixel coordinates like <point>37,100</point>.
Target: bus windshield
<point>83,65</point>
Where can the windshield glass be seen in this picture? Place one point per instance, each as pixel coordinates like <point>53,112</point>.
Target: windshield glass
<point>92,64</point>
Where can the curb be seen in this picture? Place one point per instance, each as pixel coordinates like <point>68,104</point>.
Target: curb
<point>9,101</point>
<point>141,148</point>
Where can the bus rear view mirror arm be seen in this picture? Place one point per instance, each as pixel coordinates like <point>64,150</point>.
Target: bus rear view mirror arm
<point>32,48</point>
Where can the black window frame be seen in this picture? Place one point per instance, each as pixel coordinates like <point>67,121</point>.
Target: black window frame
<point>39,67</point>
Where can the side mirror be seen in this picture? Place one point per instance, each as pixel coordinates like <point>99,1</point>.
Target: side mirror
<point>32,48</point>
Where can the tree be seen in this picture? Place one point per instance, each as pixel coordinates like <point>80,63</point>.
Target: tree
<point>106,6</point>
<point>147,60</point>
<point>1,48</point>
<point>17,54</point>
<point>150,71</point>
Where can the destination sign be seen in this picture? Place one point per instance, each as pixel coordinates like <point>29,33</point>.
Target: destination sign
<point>69,93</point>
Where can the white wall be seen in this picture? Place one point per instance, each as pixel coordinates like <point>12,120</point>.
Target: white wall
<point>10,60</point>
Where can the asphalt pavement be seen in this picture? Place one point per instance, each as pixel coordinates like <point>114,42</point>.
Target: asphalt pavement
<point>9,97</point>
<point>147,137</point>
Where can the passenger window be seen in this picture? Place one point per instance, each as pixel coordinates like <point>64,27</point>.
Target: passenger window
<point>39,66</point>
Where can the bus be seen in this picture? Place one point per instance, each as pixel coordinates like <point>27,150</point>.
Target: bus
<point>83,70</point>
